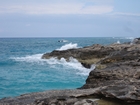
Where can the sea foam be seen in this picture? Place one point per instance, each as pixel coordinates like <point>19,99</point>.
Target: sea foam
<point>68,46</point>
<point>131,38</point>
<point>28,58</point>
<point>72,64</point>
<point>118,42</point>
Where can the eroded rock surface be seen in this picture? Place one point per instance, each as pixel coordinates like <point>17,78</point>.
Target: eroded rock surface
<point>53,97</point>
<point>99,54</point>
<point>117,71</point>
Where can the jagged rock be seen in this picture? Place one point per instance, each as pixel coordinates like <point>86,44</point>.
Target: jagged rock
<point>121,76</point>
<point>98,54</point>
<point>54,97</point>
<point>117,72</point>
<point>136,41</point>
<point>117,81</point>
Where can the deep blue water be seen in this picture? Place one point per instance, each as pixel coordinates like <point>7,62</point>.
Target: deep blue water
<point>22,70</point>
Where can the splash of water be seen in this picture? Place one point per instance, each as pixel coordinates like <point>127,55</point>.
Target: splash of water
<point>70,64</point>
<point>68,46</point>
<point>118,42</point>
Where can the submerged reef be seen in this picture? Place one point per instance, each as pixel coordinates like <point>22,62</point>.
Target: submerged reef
<point>116,77</point>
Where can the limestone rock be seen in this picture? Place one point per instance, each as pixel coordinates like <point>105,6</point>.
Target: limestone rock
<point>117,73</point>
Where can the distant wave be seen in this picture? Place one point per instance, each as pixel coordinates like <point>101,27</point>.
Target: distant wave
<point>68,46</point>
<point>71,64</point>
<point>29,58</point>
<point>131,38</point>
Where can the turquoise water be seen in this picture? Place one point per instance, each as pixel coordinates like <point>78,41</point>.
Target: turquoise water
<point>22,70</point>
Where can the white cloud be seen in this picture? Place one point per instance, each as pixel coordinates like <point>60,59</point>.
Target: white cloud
<point>58,8</point>
<point>97,9</point>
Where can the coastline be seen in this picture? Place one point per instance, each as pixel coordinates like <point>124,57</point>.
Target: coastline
<point>117,68</point>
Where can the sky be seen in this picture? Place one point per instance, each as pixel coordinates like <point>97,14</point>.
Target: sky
<point>69,18</point>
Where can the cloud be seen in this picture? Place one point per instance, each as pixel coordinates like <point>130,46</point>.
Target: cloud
<point>90,7</point>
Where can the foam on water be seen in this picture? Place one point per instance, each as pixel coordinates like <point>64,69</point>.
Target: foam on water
<point>68,46</point>
<point>118,42</point>
<point>28,58</point>
<point>131,38</point>
<point>71,63</point>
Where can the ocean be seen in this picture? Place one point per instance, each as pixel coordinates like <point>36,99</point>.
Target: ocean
<point>23,71</point>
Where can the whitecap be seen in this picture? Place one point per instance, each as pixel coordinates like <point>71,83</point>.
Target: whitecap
<point>118,42</point>
<point>28,58</point>
<point>131,38</point>
<point>71,64</point>
<point>68,46</point>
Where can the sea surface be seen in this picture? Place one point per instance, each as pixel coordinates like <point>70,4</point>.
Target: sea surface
<point>22,70</point>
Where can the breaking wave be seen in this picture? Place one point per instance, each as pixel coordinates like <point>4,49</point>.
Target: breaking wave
<point>29,58</point>
<point>72,64</point>
<point>68,46</point>
<point>118,42</point>
<point>131,38</point>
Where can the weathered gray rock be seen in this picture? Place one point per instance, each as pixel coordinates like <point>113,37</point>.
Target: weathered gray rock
<point>136,41</point>
<point>96,54</point>
<point>120,78</point>
<point>54,97</point>
<point>118,81</point>
<point>117,73</point>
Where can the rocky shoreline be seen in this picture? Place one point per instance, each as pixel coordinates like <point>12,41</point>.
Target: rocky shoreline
<point>116,77</point>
